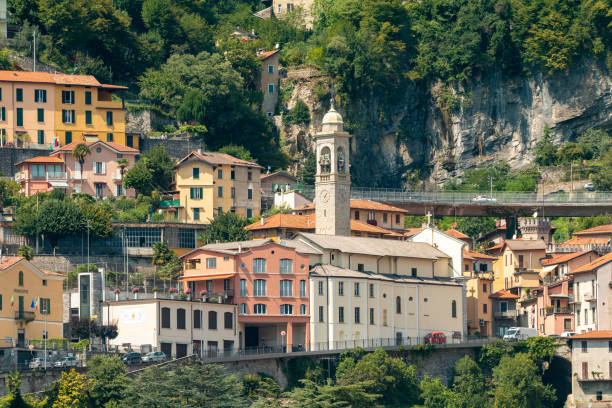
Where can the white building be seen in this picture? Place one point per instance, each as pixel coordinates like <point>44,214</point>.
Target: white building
<point>591,370</point>
<point>453,247</point>
<point>290,199</point>
<point>369,292</point>
<point>592,295</point>
<point>176,327</point>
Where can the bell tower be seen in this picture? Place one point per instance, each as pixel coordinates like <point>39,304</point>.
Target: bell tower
<point>333,179</point>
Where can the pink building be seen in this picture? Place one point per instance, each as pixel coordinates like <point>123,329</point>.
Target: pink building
<point>269,282</point>
<point>555,315</point>
<point>101,175</point>
<point>41,174</point>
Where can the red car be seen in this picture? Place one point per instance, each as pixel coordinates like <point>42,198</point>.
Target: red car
<point>435,338</point>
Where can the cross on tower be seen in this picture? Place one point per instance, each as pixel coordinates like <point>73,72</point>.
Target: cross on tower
<point>429,215</point>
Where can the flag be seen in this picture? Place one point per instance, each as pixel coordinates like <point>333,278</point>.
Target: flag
<point>12,301</point>
<point>33,304</point>
<point>37,302</point>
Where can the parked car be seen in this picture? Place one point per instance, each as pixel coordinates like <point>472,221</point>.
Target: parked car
<point>38,362</point>
<point>435,338</point>
<point>132,358</point>
<point>481,199</point>
<point>554,336</point>
<point>154,356</point>
<point>520,333</point>
<point>566,334</point>
<point>67,361</point>
<point>589,187</point>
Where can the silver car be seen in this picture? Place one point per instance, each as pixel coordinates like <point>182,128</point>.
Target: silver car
<point>67,361</point>
<point>154,356</point>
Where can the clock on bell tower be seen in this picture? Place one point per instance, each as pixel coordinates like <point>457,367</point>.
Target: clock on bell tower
<point>332,180</point>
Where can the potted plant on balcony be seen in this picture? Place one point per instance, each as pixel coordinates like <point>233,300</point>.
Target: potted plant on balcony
<point>172,291</point>
<point>203,294</point>
<point>155,290</point>
<point>188,293</point>
<point>116,292</point>
<point>135,291</point>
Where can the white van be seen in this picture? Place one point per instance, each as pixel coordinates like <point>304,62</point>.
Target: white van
<point>520,333</point>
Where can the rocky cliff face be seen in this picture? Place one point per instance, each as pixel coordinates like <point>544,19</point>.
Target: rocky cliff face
<point>447,130</point>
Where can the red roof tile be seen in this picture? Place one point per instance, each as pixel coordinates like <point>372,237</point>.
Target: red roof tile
<point>602,229</point>
<point>593,265</point>
<point>457,234</point>
<point>579,241</point>
<point>57,79</point>
<point>8,261</point>
<point>561,258</point>
<point>477,255</point>
<point>214,158</point>
<point>115,146</point>
<point>503,294</point>
<point>598,334</point>
<point>42,159</point>
<point>267,54</point>
<point>357,204</point>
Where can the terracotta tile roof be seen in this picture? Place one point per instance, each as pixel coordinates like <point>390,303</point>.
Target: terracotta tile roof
<point>42,159</point>
<point>115,146</point>
<point>8,261</point>
<point>525,244</point>
<point>267,54</point>
<point>294,221</point>
<point>477,255</point>
<point>597,334</point>
<point>57,79</point>
<point>48,272</point>
<point>578,241</point>
<point>602,229</point>
<point>593,265</point>
<point>217,158</point>
<point>278,173</point>
<point>457,234</point>
<point>503,294</point>
<point>411,231</point>
<point>561,258</point>
<point>364,205</point>
<point>308,223</point>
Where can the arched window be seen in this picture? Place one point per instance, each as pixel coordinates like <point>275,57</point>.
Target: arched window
<point>341,161</point>
<point>20,278</point>
<point>180,318</point>
<point>165,318</point>
<point>454,308</point>
<point>325,160</point>
<point>398,305</point>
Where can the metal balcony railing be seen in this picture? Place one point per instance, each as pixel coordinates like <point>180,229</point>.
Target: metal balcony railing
<point>558,310</point>
<point>25,316</point>
<point>508,314</point>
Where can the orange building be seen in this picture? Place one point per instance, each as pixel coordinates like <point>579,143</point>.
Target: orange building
<point>41,109</point>
<point>268,281</point>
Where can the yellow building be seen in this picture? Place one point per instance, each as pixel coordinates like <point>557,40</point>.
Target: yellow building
<point>23,285</point>
<point>48,110</point>
<point>210,183</point>
<point>521,264</point>
<point>479,286</point>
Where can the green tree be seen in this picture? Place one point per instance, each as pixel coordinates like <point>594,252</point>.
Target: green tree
<point>545,151</point>
<point>307,172</point>
<point>99,220</point>
<point>227,227</point>
<point>237,151</point>
<point>491,354</point>
<point>300,114</point>
<point>190,386</point>
<point>468,385</point>
<point>541,349</point>
<point>123,164</point>
<point>434,394</point>
<point>80,152</point>
<point>594,143</point>
<point>14,399</point>
<point>139,178</point>
<point>160,165</point>
<point>570,152</point>
<point>72,390</point>
<point>26,251</point>
<point>391,378</point>
<point>476,226</point>
<point>58,219</point>
<point>26,219</point>
<point>519,385</point>
<point>108,380</point>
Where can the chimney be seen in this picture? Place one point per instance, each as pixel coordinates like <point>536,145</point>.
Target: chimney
<point>239,248</point>
<point>262,221</point>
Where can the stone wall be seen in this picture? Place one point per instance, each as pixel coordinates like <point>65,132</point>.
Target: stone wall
<point>9,156</point>
<point>144,121</point>
<point>176,147</point>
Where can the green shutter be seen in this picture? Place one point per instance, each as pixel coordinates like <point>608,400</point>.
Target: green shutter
<point>73,118</point>
<point>41,115</point>
<point>129,140</point>
<point>88,117</point>
<point>19,95</point>
<point>0,94</point>
<point>87,98</point>
<point>19,116</point>
<point>191,190</point>
<point>201,192</point>
<point>109,118</point>
<point>68,137</point>
<point>41,137</point>
<point>109,137</point>
<point>3,113</point>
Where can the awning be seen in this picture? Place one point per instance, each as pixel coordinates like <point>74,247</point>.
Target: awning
<point>548,269</point>
<point>207,277</point>
<point>59,184</point>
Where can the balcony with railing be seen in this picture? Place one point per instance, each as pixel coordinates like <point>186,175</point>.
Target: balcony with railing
<point>505,314</point>
<point>48,176</point>
<point>558,310</point>
<point>25,316</point>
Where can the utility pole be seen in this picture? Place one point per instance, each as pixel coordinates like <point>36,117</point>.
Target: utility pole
<point>34,57</point>
<point>490,185</point>
<point>88,227</point>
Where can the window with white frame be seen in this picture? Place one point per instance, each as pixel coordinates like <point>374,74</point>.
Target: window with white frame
<point>99,167</point>
<point>270,88</point>
<point>302,309</point>
<point>286,266</point>
<point>270,68</point>
<point>302,288</point>
<point>243,287</point>
<point>211,263</point>
<point>286,288</point>
<point>286,309</point>
<point>259,308</point>
<point>259,265</point>
<point>259,287</point>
